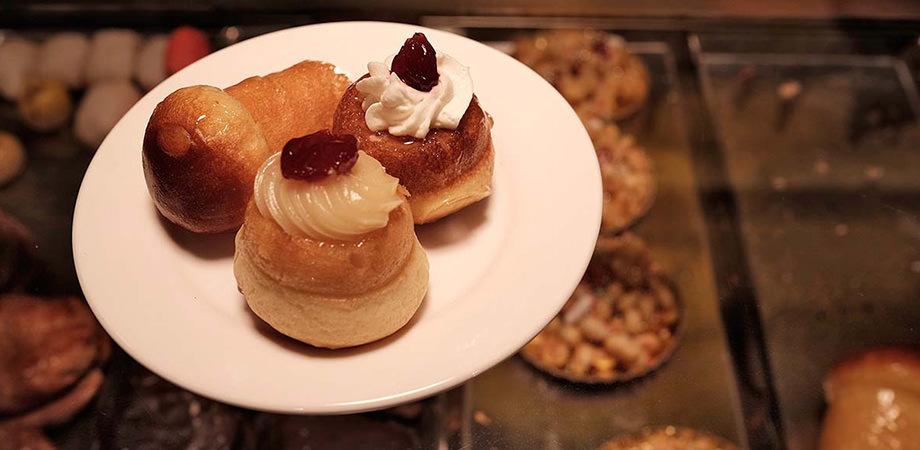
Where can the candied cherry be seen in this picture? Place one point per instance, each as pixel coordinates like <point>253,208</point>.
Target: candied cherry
<point>318,155</point>
<point>416,64</point>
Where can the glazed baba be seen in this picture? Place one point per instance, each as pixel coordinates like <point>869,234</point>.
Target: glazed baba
<point>417,114</point>
<point>327,253</point>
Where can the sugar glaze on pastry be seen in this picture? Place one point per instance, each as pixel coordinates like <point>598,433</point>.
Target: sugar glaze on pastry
<point>341,207</point>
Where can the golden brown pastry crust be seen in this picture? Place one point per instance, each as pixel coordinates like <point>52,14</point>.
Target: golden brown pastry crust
<point>203,145</point>
<point>336,321</point>
<point>327,293</point>
<point>434,164</point>
<point>200,154</point>
<point>896,367</point>
<point>469,188</point>
<point>294,102</point>
<point>873,401</point>
<point>333,268</point>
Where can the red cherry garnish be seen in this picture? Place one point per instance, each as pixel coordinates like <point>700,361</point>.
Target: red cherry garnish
<point>416,64</point>
<point>318,155</point>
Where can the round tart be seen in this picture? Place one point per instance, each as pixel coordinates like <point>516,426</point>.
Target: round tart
<point>627,174</point>
<point>669,438</point>
<point>621,322</point>
<point>593,70</point>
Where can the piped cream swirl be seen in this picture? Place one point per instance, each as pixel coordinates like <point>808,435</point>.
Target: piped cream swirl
<point>394,106</point>
<point>339,207</point>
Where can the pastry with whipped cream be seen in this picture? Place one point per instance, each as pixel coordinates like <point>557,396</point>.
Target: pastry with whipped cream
<point>327,253</point>
<point>417,114</point>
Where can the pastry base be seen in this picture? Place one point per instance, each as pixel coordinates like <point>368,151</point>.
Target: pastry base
<point>466,190</point>
<point>335,322</point>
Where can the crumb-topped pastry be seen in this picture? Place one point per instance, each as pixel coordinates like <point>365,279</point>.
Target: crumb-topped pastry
<point>669,438</point>
<point>620,323</point>
<point>627,174</point>
<point>327,253</point>
<point>417,114</point>
<point>592,69</point>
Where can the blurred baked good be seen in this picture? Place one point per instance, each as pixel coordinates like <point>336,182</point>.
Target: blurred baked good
<point>12,157</point>
<point>111,55</point>
<point>150,64</point>
<point>102,107</point>
<point>627,174</point>
<point>593,70</point>
<point>620,323</point>
<point>327,253</point>
<point>185,46</point>
<point>203,145</point>
<point>62,57</point>
<point>669,438</point>
<point>45,105</point>
<point>18,58</point>
<point>15,437</point>
<point>46,347</point>
<point>18,259</point>
<point>873,401</point>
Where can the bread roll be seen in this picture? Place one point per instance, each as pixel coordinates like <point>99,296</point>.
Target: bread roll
<point>17,62</point>
<point>63,58</point>
<point>101,108</point>
<point>111,55</point>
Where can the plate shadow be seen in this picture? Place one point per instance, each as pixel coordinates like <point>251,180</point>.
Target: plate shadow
<point>203,245</point>
<point>455,227</point>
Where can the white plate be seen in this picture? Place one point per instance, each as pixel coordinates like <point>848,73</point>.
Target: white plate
<point>500,270</point>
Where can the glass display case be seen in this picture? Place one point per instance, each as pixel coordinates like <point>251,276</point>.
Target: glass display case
<point>786,217</point>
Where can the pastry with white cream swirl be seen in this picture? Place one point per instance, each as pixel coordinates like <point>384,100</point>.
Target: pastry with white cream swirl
<point>341,207</point>
<point>327,253</point>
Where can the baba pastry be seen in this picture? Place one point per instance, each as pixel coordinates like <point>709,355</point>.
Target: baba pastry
<point>417,115</point>
<point>203,145</point>
<point>873,402</point>
<point>327,253</point>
